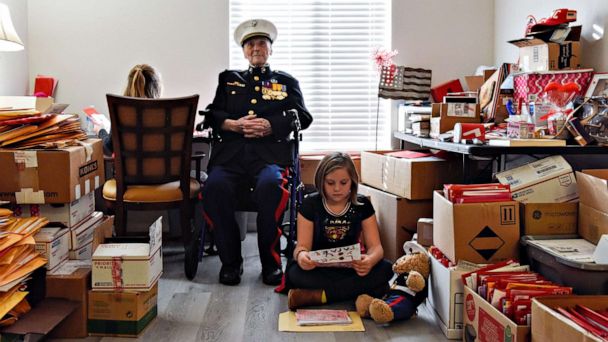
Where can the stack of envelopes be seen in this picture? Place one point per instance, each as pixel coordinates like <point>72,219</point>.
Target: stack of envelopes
<point>18,259</point>
<point>29,128</point>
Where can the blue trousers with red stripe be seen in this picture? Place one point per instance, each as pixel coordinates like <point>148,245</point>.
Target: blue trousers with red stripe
<point>270,195</point>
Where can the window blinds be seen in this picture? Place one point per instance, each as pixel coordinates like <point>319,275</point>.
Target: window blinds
<point>328,47</point>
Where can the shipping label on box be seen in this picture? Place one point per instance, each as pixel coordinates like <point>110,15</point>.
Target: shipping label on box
<point>133,266</point>
<point>477,232</point>
<point>53,243</point>
<point>51,176</point>
<point>66,214</point>
<point>83,233</point>
<point>549,218</point>
<point>549,180</point>
<point>484,323</point>
<point>397,218</point>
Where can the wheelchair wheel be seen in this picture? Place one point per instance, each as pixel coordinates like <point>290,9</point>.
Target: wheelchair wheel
<point>191,257</point>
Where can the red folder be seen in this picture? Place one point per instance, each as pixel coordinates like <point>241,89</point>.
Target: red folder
<point>439,91</point>
<point>44,86</point>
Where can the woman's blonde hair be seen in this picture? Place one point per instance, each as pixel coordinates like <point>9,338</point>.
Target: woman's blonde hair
<point>332,162</point>
<point>143,81</point>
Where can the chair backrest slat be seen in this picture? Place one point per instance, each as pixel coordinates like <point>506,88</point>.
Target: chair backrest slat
<point>152,139</point>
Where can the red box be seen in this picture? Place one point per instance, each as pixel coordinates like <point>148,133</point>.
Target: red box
<point>529,85</point>
<point>441,90</point>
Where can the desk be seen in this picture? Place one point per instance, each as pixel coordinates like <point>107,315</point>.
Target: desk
<point>496,153</point>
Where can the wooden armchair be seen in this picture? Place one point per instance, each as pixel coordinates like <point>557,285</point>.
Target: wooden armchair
<point>152,140</point>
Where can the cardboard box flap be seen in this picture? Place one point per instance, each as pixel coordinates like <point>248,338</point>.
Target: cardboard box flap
<point>523,42</point>
<point>48,234</point>
<point>593,188</point>
<point>122,250</point>
<point>43,318</point>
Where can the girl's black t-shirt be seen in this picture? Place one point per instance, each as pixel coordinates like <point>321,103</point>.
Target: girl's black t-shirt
<point>335,231</point>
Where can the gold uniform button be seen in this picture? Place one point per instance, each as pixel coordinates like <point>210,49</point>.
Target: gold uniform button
<point>256,78</point>
<point>254,101</point>
<point>251,112</point>
<point>257,88</point>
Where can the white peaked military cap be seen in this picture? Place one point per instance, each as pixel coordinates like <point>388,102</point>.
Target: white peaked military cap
<point>255,28</point>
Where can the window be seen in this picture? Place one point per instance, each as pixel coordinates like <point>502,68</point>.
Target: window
<point>328,47</point>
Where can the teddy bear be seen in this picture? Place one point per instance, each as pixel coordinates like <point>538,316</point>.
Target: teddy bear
<point>408,288</point>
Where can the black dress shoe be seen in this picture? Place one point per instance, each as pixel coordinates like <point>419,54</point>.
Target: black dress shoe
<point>272,277</point>
<point>231,275</point>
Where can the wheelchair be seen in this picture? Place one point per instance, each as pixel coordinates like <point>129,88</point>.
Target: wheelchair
<point>195,250</point>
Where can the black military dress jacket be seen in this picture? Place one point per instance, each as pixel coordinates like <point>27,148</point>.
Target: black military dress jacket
<point>266,93</point>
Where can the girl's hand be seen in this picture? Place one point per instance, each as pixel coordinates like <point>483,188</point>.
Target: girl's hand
<point>363,266</point>
<point>304,261</point>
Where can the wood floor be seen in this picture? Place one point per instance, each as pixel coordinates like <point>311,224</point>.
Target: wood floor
<point>204,310</point>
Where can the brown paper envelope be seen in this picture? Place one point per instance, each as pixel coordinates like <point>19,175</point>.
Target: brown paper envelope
<point>56,120</point>
<point>17,132</point>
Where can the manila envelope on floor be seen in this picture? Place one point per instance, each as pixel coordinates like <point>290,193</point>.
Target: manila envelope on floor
<point>484,323</point>
<point>593,205</point>
<point>549,218</point>
<point>549,325</point>
<point>477,232</point>
<point>397,218</point>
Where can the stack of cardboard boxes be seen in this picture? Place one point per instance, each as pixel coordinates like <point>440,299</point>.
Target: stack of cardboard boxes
<point>124,292</point>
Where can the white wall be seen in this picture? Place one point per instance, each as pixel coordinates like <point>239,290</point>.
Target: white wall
<point>90,46</point>
<point>510,22</point>
<point>452,38</point>
<point>13,65</point>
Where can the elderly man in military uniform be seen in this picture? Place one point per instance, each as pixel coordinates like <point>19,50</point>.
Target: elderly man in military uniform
<point>249,112</point>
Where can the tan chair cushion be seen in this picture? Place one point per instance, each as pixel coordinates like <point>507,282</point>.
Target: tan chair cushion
<point>168,192</point>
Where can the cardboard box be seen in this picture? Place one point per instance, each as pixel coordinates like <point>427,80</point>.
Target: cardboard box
<point>474,82</point>
<point>445,115</point>
<point>549,180</point>
<point>424,231</point>
<point>53,243</point>
<point>397,218</point>
<point>309,163</point>
<point>484,323</point>
<point>121,313</point>
<point>549,325</point>
<point>103,231</point>
<point>39,103</point>
<point>538,55</point>
<point>83,253</point>
<point>138,264</point>
<point>528,86</point>
<point>65,214</point>
<point>446,297</point>
<point>549,218</point>
<point>83,233</point>
<point>477,232</point>
<point>593,208</point>
<point>409,178</point>
<point>51,176</point>
<point>73,287</point>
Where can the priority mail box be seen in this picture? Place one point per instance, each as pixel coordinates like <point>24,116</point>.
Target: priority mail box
<point>446,297</point>
<point>397,218</point>
<point>550,325</point>
<point>83,253</point>
<point>549,218</point>
<point>129,266</point>
<point>549,180</point>
<point>477,232</point>
<point>593,205</point>
<point>409,178</point>
<point>83,233</point>
<point>51,176</point>
<point>484,323</point>
<point>53,243</point>
<point>113,313</point>
<point>65,214</point>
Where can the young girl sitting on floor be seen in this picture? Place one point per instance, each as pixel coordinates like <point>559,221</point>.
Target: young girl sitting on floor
<point>336,216</point>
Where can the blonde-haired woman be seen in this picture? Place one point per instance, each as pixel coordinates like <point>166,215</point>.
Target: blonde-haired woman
<point>143,81</point>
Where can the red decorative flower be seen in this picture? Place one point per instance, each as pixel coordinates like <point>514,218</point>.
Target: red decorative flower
<point>383,57</point>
